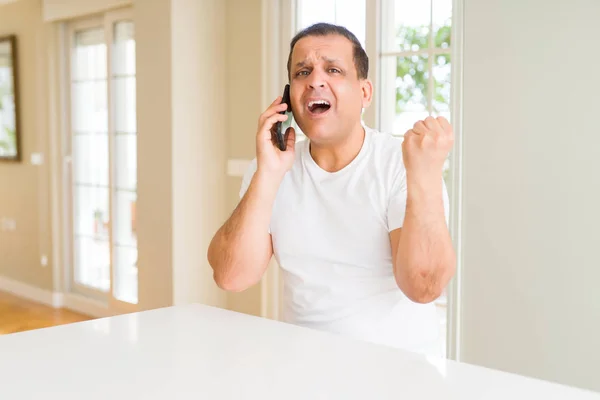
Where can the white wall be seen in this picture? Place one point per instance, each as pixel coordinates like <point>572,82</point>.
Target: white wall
<point>530,296</point>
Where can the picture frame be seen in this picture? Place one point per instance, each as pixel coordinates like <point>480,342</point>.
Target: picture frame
<point>10,118</point>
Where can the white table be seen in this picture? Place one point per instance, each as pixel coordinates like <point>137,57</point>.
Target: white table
<point>200,352</point>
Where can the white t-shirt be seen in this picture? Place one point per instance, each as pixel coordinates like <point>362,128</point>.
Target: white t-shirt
<point>331,239</point>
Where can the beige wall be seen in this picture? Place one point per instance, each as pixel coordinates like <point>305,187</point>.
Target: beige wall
<point>24,187</point>
<point>182,147</point>
<point>63,9</point>
<point>199,144</point>
<point>153,47</point>
<point>244,18</point>
<point>177,215</point>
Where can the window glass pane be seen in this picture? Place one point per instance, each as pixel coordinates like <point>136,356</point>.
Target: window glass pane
<point>124,81</point>
<point>313,11</point>
<point>126,274</point>
<point>348,13</point>
<point>89,105</point>
<point>124,49</point>
<point>125,218</point>
<point>92,256</point>
<point>89,55</point>
<point>125,161</point>
<point>441,77</point>
<point>125,104</point>
<point>90,161</point>
<point>89,125</point>
<point>352,15</point>
<point>442,22</point>
<point>91,211</point>
<point>92,261</point>
<point>125,246</point>
<point>410,27</point>
<point>412,81</point>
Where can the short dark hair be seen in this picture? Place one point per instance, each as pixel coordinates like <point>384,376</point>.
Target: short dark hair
<point>361,60</point>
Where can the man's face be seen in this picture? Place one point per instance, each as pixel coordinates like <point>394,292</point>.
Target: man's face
<point>326,94</point>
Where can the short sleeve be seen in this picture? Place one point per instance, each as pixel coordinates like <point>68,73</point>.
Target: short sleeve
<point>248,177</point>
<point>397,203</point>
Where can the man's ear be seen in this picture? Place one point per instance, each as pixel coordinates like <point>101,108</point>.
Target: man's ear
<point>367,92</point>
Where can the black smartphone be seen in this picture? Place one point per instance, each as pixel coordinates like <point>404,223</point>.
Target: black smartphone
<point>279,128</point>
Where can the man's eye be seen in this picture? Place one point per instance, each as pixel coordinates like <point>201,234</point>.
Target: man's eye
<point>335,70</point>
<point>302,73</point>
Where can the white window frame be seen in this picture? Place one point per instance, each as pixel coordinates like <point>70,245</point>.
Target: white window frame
<point>77,296</point>
<point>377,50</point>
<point>384,7</point>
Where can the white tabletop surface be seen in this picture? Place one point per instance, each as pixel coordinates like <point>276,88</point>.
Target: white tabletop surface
<point>200,352</point>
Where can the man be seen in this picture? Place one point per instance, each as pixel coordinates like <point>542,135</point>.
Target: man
<point>357,219</point>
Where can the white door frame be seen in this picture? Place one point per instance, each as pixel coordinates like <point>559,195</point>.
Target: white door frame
<point>74,296</point>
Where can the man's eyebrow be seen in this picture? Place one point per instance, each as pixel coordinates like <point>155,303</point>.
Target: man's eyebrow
<point>301,64</point>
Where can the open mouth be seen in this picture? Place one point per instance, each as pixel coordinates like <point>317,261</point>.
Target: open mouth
<point>318,106</point>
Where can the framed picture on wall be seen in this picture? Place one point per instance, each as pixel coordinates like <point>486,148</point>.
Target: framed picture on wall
<point>10,143</point>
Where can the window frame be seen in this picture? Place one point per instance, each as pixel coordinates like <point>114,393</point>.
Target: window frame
<point>374,40</point>
<point>99,299</point>
<point>279,19</point>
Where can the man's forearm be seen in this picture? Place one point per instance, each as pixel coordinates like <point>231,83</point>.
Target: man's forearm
<point>425,260</point>
<point>241,249</point>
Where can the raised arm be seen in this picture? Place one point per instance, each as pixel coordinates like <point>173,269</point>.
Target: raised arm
<point>422,251</point>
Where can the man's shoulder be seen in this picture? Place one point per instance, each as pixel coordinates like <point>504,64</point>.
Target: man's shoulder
<point>385,142</point>
<point>386,150</point>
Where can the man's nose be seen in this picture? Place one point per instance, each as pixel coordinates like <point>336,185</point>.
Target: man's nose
<point>317,80</point>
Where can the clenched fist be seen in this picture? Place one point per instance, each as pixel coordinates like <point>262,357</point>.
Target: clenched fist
<point>425,149</point>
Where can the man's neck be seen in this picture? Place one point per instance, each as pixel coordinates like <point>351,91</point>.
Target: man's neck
<point>333,157</point>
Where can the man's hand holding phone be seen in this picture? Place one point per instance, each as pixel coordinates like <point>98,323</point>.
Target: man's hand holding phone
<point>271,161</point>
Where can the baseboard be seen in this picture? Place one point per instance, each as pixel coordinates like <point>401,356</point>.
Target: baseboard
<point>74,302</point>
<point>31,292</point>
<point>83,305</point>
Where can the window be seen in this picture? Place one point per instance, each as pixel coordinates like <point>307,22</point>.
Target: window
<point>415,73</point>
<point>103,142</point>
<point>414,54</point>
<point>415,67</point>
<point>411,56</point>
